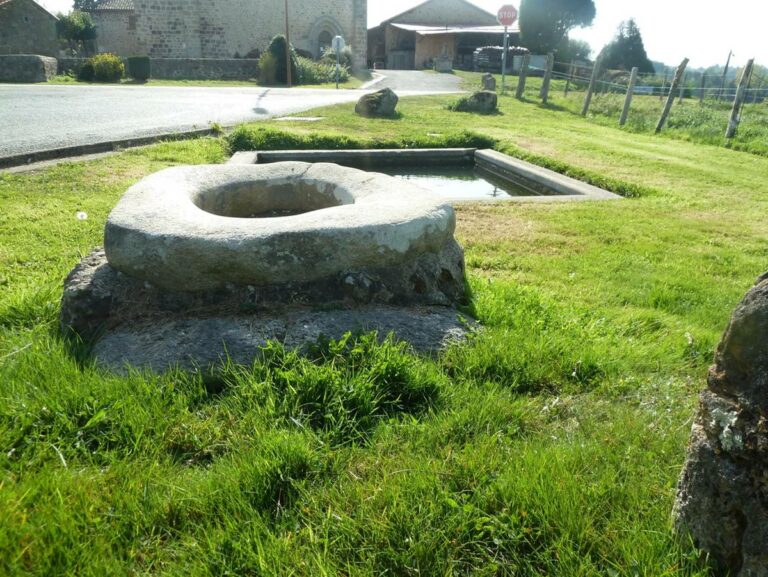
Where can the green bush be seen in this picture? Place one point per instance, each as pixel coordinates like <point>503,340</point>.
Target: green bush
<point>107,67</point>
<point>86,72</point>
<point>345,58</point>
<point>274,70</point>
<point>139,67</point>
<point>267,69</point>
<point>319,71</point>
<point>260,138</point>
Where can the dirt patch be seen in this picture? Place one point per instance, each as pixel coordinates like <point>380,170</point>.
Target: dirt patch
<point>485,224</point>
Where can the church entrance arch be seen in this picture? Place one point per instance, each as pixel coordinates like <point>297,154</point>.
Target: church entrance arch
<point>322,33</point>
<point>324,42</point>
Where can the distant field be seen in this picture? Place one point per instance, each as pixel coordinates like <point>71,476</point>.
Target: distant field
<point>690,120</point>
<point>549,445</point>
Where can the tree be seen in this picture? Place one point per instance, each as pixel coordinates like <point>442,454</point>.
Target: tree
<point>76,29</point>
<point>570,49</point>
<point>545,23</point>
<point>626,50</point>
<point>86,5</point>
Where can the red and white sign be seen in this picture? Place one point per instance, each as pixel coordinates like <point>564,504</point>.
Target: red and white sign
<point>507,15</point>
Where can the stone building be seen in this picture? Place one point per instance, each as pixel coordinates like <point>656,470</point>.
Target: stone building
<point>450,29</point>
<point>115,22</point>
<point>27,28</point>
<point>226,28</point>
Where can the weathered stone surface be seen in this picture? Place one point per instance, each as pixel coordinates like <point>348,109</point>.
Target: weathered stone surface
<point>184,68</point>
<point>226,28</point>
<point>27,28</point>
<point>198,228</point>
<point>97,297</point>
<point>489,82</point>
<point>483,102</point>
<point>722,498</point>
<point>380,103</point>
<point>27,68</point>
<point>195,342</point>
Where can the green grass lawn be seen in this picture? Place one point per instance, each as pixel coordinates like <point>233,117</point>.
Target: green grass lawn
<point>550,444</point>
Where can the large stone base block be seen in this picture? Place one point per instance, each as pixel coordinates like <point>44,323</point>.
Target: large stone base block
<point>195,343</point>
<point>139,324</point>
<point>27,68</point>
<point>96,296</point>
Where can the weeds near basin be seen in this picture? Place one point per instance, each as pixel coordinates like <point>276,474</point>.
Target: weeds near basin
<point>249,137</point>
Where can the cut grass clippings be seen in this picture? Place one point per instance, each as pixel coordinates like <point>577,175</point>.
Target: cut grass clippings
<point>549,444</point>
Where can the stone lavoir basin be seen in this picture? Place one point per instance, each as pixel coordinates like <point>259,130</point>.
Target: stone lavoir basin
<point>202,262</point>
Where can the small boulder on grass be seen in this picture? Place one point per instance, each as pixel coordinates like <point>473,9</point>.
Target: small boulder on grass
<point>380,103</point>
<point>482,102</point>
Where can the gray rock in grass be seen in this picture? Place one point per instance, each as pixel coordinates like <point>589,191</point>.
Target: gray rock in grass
<point>380,103</point>
<point>722,497</point>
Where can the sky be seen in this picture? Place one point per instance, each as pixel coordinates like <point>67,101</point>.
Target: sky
<point>702,30</point>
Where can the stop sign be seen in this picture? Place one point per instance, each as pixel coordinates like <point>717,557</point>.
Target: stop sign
<point>507,15</point>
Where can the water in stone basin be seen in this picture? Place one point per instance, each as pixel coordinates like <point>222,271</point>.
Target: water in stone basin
<point>459,183</point>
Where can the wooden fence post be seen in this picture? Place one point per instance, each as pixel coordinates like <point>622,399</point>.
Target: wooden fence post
<point>671,98</point>
<point>738,101</point>
<point>663,84</point>
<point>682,89</point>
<point>628,99</point>
<point>591,89</point>
<point>725,76</point>
<point>522,77</point>
<point>571,72</point>
<point>703,87</point>
<point>544,93</point>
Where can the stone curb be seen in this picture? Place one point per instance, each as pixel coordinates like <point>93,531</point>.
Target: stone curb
<point>370,158</point>
<point>534,177</point>
<point>524,174</point>
<point>97,148</point>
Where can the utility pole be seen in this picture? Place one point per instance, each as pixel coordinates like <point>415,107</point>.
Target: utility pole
<point>287,48</point>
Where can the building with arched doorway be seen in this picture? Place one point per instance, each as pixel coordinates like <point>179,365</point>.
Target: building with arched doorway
<point>227,28</point>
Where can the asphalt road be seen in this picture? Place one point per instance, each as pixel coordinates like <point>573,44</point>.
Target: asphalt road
<point>35,118</point>
<point>403,80</point>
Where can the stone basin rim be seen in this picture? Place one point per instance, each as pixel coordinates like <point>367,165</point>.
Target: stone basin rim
<point>159,234</point>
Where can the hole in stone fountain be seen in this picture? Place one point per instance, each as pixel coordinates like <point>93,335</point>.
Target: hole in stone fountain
<point>263,199</point>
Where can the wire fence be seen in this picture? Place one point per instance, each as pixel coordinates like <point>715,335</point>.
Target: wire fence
<point>706,106</point>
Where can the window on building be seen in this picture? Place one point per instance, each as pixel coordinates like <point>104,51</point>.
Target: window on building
<point>131,22</point>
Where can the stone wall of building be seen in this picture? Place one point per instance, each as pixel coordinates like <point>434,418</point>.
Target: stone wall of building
<point>116,32</point>
<point>226,28</point>
<point>185,68</point>
<point>229,28</point>
<point>27,28</point>
<point>205,68</point>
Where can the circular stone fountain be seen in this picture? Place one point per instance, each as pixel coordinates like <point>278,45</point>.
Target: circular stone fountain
<point>214,251</point>
<point>198,228</point>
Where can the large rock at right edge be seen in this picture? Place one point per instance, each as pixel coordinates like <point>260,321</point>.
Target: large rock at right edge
<point>722,498</point>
